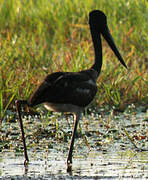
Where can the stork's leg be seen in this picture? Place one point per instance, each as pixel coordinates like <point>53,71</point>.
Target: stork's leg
<point>76,120</point>
<point>18,108</point>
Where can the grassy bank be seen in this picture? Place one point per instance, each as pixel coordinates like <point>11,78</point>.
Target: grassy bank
<point>39,37</point>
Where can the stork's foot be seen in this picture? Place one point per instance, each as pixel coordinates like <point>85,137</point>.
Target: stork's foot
<point>69,164</point>
<point>69,167</point>
<point>26,162</point>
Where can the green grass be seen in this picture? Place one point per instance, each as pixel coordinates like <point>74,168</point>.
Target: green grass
<point>38,37</point>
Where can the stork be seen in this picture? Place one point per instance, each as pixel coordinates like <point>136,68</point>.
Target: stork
<point>72,91</point>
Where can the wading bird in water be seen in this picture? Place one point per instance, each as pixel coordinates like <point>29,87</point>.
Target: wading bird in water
<point>72,91</point>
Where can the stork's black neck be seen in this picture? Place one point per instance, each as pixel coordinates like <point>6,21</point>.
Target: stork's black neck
<point>96,38</point>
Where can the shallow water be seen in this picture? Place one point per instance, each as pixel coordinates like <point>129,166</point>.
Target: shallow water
<point>102,151</point>
<point>97,165</point>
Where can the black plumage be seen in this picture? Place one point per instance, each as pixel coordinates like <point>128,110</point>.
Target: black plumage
<point>73,91</point>
<point>77,89</point>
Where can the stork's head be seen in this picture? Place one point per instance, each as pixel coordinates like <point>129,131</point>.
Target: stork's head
<point>98,24</point>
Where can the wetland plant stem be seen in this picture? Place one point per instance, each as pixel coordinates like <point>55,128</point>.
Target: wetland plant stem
<point>132,141</point>
<point>130,138</point>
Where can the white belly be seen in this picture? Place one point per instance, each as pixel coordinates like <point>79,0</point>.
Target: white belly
<point>63,107</point>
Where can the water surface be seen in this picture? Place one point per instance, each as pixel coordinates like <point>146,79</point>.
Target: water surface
<point>102,148</point>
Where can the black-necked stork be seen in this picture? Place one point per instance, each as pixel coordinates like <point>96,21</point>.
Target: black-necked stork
<point>73,91</point>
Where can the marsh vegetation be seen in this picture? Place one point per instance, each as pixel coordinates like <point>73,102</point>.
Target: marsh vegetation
<point>37,38</point>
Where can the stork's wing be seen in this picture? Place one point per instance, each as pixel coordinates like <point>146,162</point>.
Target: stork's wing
<point>65,88</point>
<point>37,97</point>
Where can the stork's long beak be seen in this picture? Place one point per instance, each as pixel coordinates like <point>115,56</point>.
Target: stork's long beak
<point>108,37</point>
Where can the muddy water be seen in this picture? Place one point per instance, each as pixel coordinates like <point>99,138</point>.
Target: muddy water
<point>103,151</point>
